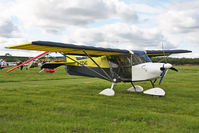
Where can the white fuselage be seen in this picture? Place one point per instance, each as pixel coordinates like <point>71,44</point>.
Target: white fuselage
<point>148,71</point>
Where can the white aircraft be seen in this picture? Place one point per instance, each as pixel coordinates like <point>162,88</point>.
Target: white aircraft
<point>114,65</point>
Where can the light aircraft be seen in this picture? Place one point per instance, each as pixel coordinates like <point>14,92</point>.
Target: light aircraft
<point>114,65</point>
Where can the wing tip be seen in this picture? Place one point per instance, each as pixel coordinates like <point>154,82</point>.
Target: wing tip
<point>19,45</point>
<point>153,53</point>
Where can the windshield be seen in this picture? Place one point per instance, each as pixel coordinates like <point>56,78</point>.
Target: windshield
<point>142,55</point>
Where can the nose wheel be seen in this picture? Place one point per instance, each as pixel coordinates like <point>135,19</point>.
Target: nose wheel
<point>155,91</point>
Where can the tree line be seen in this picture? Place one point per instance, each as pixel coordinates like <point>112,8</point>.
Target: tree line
<point>177,61</point>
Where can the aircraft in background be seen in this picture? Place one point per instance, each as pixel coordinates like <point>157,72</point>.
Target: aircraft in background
<point>29,62</point>
<point>114,65</point>
<point>11,60</point>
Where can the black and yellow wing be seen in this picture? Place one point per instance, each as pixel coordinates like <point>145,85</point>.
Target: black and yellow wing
<point>72,49</point>
<point>69,49</point>
<point>153,53</point>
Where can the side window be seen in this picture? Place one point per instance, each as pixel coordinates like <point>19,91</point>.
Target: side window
<point>137,59</point>
<point>120,66</point>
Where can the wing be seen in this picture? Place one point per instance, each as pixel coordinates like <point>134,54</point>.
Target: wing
<point>153,53</point>
<point>68,48</point>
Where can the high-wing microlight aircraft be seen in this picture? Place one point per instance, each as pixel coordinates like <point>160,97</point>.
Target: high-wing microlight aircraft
<point>114,65</point>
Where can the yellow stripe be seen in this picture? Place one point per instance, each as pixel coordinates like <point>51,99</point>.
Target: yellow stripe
<point>102,61</point>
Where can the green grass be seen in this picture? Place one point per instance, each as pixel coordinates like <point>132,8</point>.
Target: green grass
<point>55,103</point>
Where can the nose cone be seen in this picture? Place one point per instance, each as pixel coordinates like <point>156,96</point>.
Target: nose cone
<point>167,66</point>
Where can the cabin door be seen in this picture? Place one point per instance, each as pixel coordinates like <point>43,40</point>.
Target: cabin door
<point>121,67</point>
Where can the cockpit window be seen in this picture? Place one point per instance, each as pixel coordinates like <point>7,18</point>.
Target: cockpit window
<point>142,56</point>
<point>136,59</point>
<point>121,65</point>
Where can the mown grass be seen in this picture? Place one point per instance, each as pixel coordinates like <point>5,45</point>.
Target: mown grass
<point>52,103</point>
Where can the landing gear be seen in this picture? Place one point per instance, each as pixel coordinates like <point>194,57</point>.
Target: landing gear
<point>135,88</point>
<point>155,91</point>
<point>153,83</point>
<point>108,91</point>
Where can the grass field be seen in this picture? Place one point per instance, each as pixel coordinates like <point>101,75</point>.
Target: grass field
<point>56,103</point>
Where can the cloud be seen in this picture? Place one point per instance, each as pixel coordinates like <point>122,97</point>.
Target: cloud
<point>10,32</point>
<point>10,41</point>
<point>8,29</point>
<point>56,16</point>
<point>118,35</point>
<point>104,23</point>
<point>181,18</point>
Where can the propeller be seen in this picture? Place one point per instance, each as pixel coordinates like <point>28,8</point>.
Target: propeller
<point>162,76</point>
<point>174,69</point>
<point>165,66</point>
<point>164,70</point>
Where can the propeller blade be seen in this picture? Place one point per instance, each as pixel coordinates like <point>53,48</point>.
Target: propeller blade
<point>174,69</point>
<point>162,68</point>
<point>162,77</point>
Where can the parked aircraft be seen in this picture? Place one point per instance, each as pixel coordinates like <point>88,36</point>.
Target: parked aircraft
<point>114,65</point>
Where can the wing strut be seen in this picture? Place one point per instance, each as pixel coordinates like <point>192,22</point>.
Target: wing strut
<point>98,65</point>
<point>87,67</point>
<point>44,53</point>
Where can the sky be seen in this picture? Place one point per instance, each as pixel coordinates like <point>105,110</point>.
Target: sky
<point>123,24</point>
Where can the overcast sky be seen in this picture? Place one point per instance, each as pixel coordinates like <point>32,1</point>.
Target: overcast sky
<point>125,24</point>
